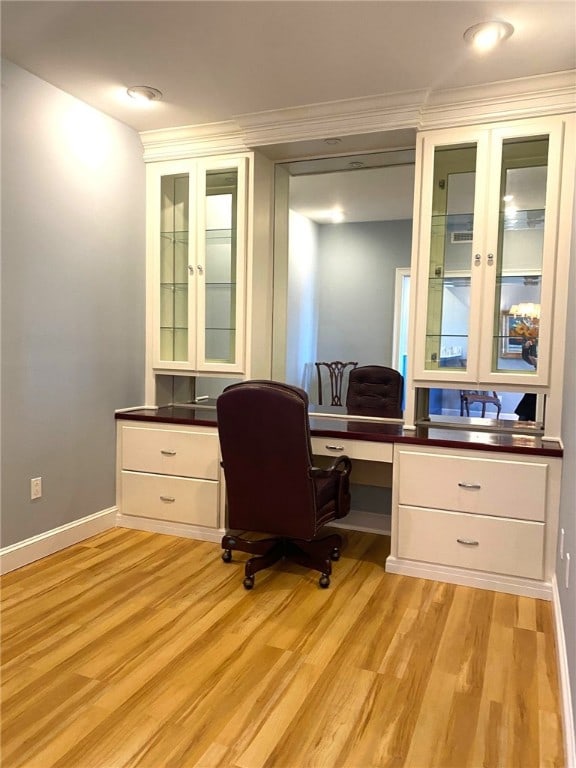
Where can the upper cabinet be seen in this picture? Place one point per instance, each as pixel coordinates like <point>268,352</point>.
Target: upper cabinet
<point>486,257</point>
<point>197,239</point>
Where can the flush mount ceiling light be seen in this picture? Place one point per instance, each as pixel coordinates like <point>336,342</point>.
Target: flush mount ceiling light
<point>486,36</point>
<point>144,93</point>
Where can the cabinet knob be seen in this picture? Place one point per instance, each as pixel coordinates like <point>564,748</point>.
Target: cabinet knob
<point>200,269</point>
<point>191,268</point>
<point>490,259</point>
<point>474,486</point>
<point>468,542</point>
<point>477,259</point>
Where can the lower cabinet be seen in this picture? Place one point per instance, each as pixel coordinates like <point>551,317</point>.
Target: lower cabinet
<point>478,518</point>
<point>169,476</point>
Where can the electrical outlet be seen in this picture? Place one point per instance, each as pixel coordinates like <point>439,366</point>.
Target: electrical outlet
<point>35,488</point>
<point>561,543</point>
<point>567,571</point>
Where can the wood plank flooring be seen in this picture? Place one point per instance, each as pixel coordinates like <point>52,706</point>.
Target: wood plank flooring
<point>134,649</point>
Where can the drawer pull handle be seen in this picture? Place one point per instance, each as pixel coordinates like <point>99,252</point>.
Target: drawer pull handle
<point>168,453</point>
<point>468,542</point>
<point>474,486</point>
<point>334,447</point>
<point>168,499</point>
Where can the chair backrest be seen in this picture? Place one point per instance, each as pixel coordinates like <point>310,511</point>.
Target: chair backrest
<point>336,370</point>
<point>266,454</point>
<point>376,390</point>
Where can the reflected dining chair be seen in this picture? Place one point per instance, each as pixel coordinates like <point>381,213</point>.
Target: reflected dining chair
<point>278,502</point>
<point>469,396</point>
<point>375,390</point>
<point>336,370</point>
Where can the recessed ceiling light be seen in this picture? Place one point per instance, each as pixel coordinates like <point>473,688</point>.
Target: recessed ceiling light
<point>144,93</point>
<point>485,36</point>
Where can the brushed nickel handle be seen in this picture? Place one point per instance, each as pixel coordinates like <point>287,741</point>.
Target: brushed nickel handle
<point>168,453</point>
<point>168,499</point>
<point>468,542</point>
<point>474,486</point>
<point>335,447</point>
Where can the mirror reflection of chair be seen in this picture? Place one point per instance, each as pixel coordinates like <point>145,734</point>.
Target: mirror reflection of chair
<point>375,390</point>
<point>336,370</point>
<point>278,502</point>
<point>469,396</point>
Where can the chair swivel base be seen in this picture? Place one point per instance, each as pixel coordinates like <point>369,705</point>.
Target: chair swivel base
<point>317,553</point>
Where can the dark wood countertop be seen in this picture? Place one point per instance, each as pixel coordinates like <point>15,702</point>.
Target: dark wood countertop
<point>375,431</point>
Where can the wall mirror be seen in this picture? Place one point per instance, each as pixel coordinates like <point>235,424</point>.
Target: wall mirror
<point>342,246</point>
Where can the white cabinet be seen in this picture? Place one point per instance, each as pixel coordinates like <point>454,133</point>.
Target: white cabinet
<point>486,254</point>
<point>196,241</point>
<point>473,517</point>
<point>169,474</point>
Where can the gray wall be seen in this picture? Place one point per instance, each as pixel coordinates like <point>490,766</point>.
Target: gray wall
<point>357,272</point>
<point>568,498</point>
<point>72,301</point>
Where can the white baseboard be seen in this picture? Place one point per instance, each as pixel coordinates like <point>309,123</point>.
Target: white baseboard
<point>47,543</point>
<point>564,679</point>
<point>173,529</point>
<point>481,579</point>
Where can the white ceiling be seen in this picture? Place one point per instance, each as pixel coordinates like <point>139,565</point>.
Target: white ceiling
<point>217,59</point>
<point>369,194</point>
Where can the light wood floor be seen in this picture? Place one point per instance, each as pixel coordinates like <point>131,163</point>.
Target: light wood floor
<point>138,649</point>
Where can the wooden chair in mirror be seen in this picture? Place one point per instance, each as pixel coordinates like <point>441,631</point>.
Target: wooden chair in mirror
<point>336,371</point>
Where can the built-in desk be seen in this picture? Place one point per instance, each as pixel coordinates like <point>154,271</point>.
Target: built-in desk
<point>467,506</point>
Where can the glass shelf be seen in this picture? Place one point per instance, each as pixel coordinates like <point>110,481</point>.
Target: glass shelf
<point>175,237</point>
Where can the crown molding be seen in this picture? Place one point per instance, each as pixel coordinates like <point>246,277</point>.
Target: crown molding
<point>548,94</point>
<point>334,118</point>
<point>192,141</point>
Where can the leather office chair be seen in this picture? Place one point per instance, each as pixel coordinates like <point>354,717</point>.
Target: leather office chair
<point>336,370</point>
<point>375,390</point>
<point>469,396</point>
<point>278,502</point>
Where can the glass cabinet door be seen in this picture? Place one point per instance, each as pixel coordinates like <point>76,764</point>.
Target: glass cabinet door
<point>450,265</point>
<point>221,265</point>
<point>448,290</point>
<point>521,253</point>
<point>174,340</point>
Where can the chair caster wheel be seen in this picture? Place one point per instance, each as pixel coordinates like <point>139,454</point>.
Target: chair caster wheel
<point>227,555</point>
<point>248,582</point>
<point>324,581</point>
<point>335,554</point>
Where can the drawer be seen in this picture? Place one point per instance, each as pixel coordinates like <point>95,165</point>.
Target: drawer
<point>495,487</point>
<point>355,449</point>
<point>170,452</point>
<point>512,547</point>
<point>175,499</point>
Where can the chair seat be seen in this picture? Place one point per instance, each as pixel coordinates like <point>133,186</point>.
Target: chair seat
<point>469,396</point>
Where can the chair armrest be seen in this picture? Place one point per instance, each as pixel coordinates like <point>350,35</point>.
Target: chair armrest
<point>334,467</point>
